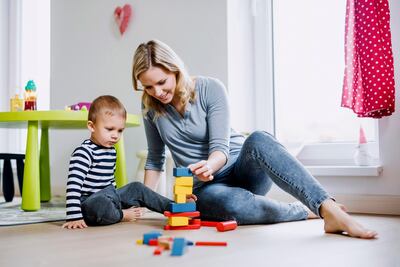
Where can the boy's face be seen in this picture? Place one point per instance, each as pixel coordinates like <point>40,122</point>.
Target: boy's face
<point>107,130</point>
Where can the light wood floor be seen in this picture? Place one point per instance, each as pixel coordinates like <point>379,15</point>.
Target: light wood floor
<point>286,244</point>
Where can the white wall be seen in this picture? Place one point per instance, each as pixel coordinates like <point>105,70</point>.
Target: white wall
<point>90,58</point>
<point>4,97</point>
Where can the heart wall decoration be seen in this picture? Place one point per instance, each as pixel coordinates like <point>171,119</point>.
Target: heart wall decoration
<point>122,17</point>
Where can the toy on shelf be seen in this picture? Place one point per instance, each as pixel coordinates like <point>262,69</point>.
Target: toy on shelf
<point>361,155</point>
<point>30,96</point>
<point>16,103</point>
<point>79,106</point>
<point>177,245</point>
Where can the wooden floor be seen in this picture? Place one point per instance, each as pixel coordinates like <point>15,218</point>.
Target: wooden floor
<point>286,244</point>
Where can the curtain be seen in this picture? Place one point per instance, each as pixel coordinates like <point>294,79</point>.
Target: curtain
<point>368,87</point>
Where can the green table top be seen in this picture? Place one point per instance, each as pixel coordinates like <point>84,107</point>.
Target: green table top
<point>56,119</point>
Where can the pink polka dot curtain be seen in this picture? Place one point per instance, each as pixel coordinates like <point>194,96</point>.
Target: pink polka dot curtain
<point>368,87</point>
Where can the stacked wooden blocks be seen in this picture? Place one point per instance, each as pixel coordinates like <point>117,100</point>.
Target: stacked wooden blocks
<point>182,212</point>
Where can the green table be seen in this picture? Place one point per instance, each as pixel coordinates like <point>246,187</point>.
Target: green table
<point>36,183</point>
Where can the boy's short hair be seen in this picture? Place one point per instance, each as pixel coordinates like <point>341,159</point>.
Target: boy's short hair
<point>106,105</point>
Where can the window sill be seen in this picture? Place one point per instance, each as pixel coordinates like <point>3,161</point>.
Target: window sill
<point>374,170</point>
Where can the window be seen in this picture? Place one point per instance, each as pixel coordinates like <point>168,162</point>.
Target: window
<point>297,68</point>
<point>309,48</point>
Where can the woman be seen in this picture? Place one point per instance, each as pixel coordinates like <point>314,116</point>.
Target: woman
<point>232,174</point>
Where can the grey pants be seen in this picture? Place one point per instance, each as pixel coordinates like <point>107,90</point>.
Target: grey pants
<point>105,206</point>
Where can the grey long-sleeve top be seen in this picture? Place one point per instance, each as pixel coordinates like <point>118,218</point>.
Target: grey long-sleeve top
<point>203,129</point>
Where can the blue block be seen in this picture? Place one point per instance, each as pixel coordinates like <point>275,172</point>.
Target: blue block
<point>182,171</point>
<point>150,235</point>
<point>183,207</point>
<point>178,247</point>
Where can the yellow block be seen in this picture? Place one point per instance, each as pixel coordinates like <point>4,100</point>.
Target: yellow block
<point>178,221</point>
<point>180,198</point>
<point>139,241</point>
<point>185,181</point>
<point>178,189</point>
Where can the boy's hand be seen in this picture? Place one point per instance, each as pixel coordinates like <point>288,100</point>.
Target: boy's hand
<point>79,224</point>
<point>191,198</point>
<point>202,170</point>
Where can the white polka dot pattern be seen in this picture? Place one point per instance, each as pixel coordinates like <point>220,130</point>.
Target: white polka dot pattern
<point>368,87</point>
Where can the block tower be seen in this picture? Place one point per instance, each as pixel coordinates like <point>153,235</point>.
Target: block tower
<point>181,214</point>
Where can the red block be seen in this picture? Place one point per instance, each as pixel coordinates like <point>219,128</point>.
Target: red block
<point>188,227</point>
<point>182,214</point>
<point>153,242</point>
<point>226,226</point>
<point>158,250</point>
<point>207,243</point>
<point>209,223</point>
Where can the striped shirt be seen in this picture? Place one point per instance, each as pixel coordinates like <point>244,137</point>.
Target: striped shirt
<point>91,169</point>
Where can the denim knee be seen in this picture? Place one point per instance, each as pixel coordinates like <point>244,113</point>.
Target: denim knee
<point>102,210</point>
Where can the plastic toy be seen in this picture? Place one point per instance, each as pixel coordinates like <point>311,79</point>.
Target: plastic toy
<point>80,106</point>
<point>30,96</point>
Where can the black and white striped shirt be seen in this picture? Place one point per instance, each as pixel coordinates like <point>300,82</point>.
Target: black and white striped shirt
<point>91,169</point>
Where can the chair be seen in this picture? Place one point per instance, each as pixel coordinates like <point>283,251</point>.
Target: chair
<point>8,177</point>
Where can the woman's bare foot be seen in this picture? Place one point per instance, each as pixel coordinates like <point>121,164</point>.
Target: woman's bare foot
<point>338,221</point>
<point>132,214</point>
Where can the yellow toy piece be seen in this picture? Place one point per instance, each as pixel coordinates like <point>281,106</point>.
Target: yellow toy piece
<point>178,189</point>
<point>178,221</point>
<point>184,181</point>
<point>180,198</point>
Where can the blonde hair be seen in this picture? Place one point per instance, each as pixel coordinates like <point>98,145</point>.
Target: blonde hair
<point>157,54</point>
<point>106,105</point>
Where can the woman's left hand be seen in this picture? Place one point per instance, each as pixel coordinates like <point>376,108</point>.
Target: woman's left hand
<point>202,170</point>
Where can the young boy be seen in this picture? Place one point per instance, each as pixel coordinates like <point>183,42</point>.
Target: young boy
<point>92,198</point>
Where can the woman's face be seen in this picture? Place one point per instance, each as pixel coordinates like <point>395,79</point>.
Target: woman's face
<point>159,83</point>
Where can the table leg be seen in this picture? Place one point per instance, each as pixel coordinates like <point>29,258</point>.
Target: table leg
<point>120,170</point>
<point>31,187</point>
<point>45,188</point>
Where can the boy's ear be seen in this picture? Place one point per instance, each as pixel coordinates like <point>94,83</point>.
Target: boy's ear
<point>90,126</point>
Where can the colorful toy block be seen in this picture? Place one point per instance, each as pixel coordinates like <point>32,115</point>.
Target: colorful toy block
<point>183,207</point>
<point>178,221</point>
<point>181,198</point>
<point>184,190</point>
<point>165,242</point>
<point>209,223</point>
<point>150,235</point>
<point>179,247</point>
<point>226,226</point>
<point>210,243</point>
<point>184,181</point>
<point>158,250</point>
<point>194,224</point>
<point>182,214</point>
<point>182,171</point>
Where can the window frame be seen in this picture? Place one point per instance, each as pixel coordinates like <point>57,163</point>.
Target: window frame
<point>340,154</point>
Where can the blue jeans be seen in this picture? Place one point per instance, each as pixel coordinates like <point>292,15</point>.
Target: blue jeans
<point>239,193</point>
<point>105,206</point>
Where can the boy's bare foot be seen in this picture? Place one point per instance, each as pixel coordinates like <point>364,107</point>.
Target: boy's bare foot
<point>338,221</point>
<point>132,214</point>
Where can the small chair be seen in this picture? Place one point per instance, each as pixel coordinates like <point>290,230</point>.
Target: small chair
<point>8,177</point>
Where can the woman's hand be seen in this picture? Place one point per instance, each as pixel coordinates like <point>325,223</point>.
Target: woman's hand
<point>202,170</point>
<point>191,198</point>
<point>79,224</point>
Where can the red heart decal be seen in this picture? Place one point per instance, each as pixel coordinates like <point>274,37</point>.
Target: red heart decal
<point>122,17</point>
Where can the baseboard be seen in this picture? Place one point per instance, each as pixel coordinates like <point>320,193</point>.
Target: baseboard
<point>371,204</point>
<point>367,204</point>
